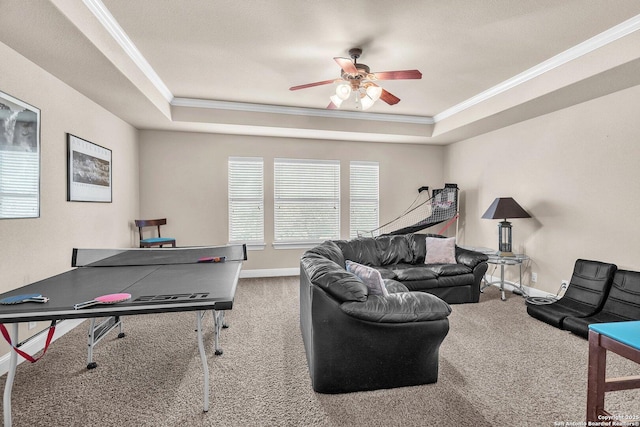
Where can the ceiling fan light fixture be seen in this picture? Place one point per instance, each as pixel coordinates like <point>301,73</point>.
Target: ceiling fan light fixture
<point>374,92</point>
<point>367,101</point>
<point>343,90</point>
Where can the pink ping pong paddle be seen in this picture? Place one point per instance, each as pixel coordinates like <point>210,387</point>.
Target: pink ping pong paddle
<point>103,299</point>
<point>212,259</point>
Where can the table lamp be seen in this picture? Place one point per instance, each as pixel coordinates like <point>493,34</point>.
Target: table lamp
<point>505,207</point>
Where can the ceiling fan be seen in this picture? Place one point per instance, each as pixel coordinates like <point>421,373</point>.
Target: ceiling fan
<point>357,86</point>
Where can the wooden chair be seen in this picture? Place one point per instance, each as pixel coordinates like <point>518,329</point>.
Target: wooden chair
<point>154,241</point>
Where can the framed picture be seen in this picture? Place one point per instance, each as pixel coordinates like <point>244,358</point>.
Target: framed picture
<point>89,170</point>
<point>19,158</point>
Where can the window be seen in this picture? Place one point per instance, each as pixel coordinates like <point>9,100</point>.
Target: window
<point>19,184</point>
<point>306,200</point>
<point>364,177</point>
<point>246,199</point>
<point>19,158</point>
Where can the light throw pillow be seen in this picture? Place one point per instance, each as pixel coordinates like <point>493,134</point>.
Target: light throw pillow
<point>441,250</point>
<point>369,276</point>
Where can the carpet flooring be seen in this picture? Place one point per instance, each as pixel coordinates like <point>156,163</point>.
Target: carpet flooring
<point>498,367</point>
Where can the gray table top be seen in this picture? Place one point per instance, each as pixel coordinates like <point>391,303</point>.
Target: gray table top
<point>159,280</point>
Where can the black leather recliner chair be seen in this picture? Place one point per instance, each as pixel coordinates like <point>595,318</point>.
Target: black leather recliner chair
<point>622,304</point>
<point>588,289</point>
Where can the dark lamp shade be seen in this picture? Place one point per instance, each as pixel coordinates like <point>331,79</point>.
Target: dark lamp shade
<point>505,207</point>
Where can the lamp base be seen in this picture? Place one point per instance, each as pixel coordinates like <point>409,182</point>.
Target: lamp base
<point>511,254</point>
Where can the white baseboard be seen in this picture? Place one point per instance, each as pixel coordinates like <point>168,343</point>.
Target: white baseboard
<point>269,272</point>
<point>37,344</point>
<point>510,286</point>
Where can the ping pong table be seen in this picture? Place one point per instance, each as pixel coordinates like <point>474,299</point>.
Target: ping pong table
<point>159,280</point>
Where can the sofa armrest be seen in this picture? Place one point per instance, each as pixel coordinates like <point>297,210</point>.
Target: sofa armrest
<point>334,279</point>
<point>469,258</point>
<point>347,354</point>
<point>400,307</point>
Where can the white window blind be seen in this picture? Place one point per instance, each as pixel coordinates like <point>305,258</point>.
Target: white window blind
<point>246,199</point>
<point>19,184</point>
<point>306,200</point>
<point>364,197</point>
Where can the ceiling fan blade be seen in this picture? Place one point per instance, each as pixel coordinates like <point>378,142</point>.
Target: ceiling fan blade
<point>347,65</point>
<point>325,82</point>
<point>389,98</point>
<point>398,75</point>
<point>332,106</point>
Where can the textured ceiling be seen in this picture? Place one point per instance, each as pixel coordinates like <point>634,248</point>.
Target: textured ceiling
<point>252,52</point>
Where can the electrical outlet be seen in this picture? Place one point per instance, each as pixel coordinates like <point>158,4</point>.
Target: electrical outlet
<point>534,277</point>
<point>565,284</point>
<point>32,325</point>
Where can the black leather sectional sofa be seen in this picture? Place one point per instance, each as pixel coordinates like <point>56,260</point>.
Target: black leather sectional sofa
<point>355,340</point>
<point>402,258</point>
<point>598,293</point>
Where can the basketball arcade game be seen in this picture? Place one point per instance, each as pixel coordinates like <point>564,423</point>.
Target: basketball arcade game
<point>440,207</point>
<point>136,281</point>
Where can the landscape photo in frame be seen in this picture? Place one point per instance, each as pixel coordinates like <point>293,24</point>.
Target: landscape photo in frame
<point>89,171</point>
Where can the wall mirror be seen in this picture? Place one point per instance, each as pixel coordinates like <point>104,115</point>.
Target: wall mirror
<point>19,158</point>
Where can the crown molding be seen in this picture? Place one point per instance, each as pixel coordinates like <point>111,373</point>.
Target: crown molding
<point>612,34</point>
<point>299,111</point>
<point>111,25</point>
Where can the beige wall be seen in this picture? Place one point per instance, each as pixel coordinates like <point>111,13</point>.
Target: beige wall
<point>183,176</point>
<point>575,171</point>
<point>33,249</point>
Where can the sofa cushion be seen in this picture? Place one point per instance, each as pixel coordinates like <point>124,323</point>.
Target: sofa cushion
<point>333,278</point>
<point>448,269</point>
<point>369,276</point>
<point>417,244</point>
<point>393,250</point>
<point>408,272</point>
<point>362,250</point>
<point>440,251</point>
<point>399,308</point>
